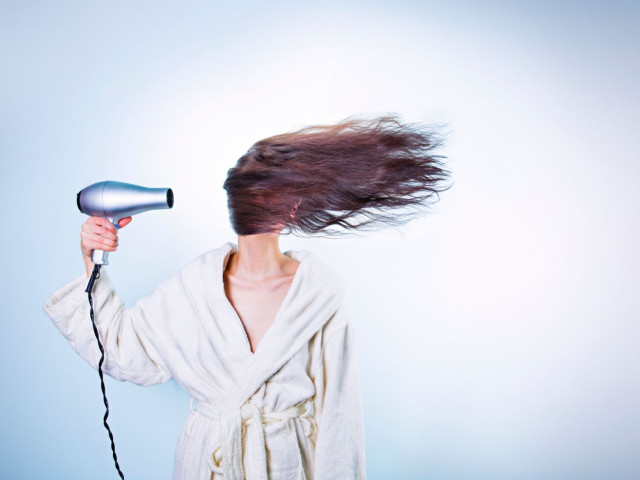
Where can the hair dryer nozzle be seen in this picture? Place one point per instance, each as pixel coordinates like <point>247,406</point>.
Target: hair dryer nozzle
<point>170,198</point>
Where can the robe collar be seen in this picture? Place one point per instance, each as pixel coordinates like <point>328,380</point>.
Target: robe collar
<point>313,298</point>
<point>301,256</point>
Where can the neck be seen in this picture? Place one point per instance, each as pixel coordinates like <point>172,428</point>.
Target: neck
<point>258,257</point>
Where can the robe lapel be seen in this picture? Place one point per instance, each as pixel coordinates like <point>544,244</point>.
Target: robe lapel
<point>313,298</point>
<point>311,301</point>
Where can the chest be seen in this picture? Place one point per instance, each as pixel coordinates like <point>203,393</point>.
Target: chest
<point>257,305</point>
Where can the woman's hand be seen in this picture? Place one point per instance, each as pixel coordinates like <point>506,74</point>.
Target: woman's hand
<point>99,234</point>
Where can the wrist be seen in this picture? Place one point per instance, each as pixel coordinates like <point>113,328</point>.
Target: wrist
<point>88,264</point>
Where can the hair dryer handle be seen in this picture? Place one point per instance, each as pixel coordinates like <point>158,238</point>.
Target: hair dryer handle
<point>100,257</point>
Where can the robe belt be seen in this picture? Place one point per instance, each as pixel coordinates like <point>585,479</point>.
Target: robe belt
<point>226,459</point>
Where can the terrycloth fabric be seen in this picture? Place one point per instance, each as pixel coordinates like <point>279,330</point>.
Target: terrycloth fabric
<point>291,410</point>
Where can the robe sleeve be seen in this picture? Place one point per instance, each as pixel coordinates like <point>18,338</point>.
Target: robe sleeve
<point>340,447</point>
<point>127,335</point>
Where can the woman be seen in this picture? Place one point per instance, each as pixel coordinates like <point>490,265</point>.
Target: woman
<point>260,338</point>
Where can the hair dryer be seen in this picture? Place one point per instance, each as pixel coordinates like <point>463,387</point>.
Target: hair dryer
<point>117,200</point>
<point>113,201</point>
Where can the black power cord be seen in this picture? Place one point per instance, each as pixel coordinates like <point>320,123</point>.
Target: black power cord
<point>94,276</point>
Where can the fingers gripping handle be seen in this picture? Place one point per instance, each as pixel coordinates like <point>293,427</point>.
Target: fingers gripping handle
<point>100,257</point>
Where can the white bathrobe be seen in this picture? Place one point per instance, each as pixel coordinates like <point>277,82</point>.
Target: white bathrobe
<point>291,410</point>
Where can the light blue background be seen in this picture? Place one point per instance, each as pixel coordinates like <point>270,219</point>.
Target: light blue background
<point>497,339</point>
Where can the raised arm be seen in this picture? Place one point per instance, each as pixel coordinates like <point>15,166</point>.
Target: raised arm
<point>127,335</point>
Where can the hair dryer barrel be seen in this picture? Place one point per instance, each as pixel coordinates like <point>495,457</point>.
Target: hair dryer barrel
<point>116,200</point>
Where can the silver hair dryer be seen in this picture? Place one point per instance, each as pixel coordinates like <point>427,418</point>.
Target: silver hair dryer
<point>117,200</point>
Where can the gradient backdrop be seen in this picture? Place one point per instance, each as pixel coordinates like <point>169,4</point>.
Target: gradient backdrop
<point>498,338</point>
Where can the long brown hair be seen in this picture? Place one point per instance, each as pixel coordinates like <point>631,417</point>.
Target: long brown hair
<point>359,174</point>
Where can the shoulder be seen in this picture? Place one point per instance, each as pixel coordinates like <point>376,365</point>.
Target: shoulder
<point>209,261</point>
<point>327,284</point>
<point>198,273</point>
<point>214,255</point>
<point>321,274</point>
